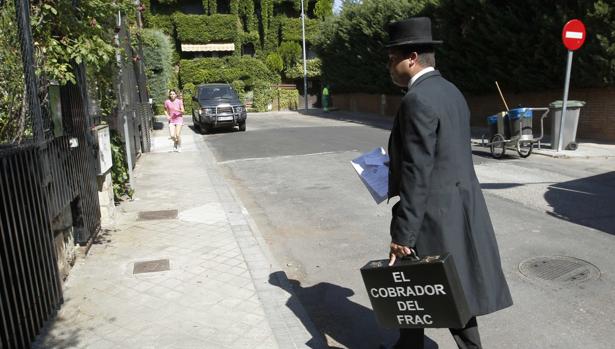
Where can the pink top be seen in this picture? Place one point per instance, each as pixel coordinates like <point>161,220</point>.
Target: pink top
<point>173,108</point>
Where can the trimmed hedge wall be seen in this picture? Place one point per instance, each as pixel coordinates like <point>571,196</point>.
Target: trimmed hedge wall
<point>162,22</point>
<point>287,99</point>
<point>228,69</point>
<point>202,29</point>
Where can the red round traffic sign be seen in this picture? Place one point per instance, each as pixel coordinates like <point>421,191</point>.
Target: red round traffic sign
<point>573,34</point>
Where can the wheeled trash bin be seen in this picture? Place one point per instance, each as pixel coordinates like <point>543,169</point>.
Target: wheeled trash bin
<point>569,133</point>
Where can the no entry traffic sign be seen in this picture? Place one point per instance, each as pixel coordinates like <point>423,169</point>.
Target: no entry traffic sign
<point>573,34</point>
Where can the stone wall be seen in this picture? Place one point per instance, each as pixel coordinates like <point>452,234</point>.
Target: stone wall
<point>596,121</point>
<point>64,241</point>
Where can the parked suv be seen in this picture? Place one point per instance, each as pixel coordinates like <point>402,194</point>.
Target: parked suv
<point>217,105</point>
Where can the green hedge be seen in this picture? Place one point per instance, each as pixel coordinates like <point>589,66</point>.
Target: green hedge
<point>228,69</point>
<point>314,67</point>
<point>292,30</point>
<point>187,91</point>
<point>157,57</point>
<point>202,29</point>
<point>162,22</point>
<point>263,96</point>
<point>287,99</point>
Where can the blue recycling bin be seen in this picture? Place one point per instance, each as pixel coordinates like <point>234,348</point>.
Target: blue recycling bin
<point>520,123</point>
<point>497,124</point>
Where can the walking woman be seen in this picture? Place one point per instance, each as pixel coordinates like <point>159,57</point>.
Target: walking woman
<point>174,110</point>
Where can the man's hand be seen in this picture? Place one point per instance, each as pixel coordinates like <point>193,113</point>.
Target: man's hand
<point>398,251</point>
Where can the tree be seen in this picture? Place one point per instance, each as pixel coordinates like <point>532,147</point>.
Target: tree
<point>351,45</point>
<point>323,9</point>
<point>290,52</point>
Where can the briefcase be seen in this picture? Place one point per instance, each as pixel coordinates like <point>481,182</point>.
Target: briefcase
<point>418,293</point>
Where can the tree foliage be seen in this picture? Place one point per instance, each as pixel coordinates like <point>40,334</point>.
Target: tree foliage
<point>157,57</point>
<point>313,67</point>
<point>517,43</point>
<point>63,35</point>
<point>227,69</point>
<point>290,52</point>
<point>201,29</point>
<point>351,45</point>
<point>274,62</point>
<point>210,6</point>
<point>323,9</point>
<point>13,109</point>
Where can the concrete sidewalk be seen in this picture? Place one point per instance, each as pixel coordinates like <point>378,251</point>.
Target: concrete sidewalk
<point>222,288</point>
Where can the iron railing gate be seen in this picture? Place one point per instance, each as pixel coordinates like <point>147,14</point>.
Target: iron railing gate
<point>30,289</point>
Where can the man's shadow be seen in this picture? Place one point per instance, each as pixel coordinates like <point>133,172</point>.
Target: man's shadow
<point>344,323</point>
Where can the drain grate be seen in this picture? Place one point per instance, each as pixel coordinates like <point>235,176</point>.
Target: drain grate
<point>156,215</point>
<point>151,266</point>
<point>559,269</point>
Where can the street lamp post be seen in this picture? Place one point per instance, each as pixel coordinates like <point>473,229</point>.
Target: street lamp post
<point>305,93</point>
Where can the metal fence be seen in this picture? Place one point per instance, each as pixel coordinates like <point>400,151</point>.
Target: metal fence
<point>134,120</point>
<point>30,288</point>
<point>43,177</point>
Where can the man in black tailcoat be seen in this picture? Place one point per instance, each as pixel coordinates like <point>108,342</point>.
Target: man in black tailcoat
<point>441,207</point>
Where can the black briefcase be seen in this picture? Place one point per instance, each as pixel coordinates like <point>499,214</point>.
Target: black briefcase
<point>416,293</point>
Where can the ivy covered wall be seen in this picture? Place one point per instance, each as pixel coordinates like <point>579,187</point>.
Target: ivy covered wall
<point>263,31</point>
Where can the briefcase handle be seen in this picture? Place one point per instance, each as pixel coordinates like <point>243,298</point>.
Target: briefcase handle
<point>413,256</point>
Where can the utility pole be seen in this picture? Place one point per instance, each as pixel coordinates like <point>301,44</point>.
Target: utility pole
<point>305,92</point>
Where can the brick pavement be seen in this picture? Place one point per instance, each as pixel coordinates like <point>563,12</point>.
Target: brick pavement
<point>223,288</point>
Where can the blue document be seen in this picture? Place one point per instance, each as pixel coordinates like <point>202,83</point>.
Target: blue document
<point>373,169</point>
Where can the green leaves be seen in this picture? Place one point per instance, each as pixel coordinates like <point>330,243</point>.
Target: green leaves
<point>202,29</point>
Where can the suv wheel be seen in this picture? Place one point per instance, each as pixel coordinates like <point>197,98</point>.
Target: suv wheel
<point>196,123</point>
<point>242,126</point>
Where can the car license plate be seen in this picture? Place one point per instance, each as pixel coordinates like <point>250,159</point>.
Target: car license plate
<point>225,118</point>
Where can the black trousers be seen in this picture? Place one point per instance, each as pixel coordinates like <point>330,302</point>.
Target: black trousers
<point>466,338</point>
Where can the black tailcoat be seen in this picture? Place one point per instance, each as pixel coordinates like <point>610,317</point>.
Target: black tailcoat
<point>441,206</point>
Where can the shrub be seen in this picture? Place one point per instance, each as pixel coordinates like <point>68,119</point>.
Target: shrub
<point>228,69</point>
<point>313,69</point>
<point>274,62</point>
<point>162,22</point>
<point>263,96</point>
<point>157,56</point>
<point>287,99</point>
<point>202,29</point>
<point>292,30</point>
<point>187,92</point>
<point>290,52</point>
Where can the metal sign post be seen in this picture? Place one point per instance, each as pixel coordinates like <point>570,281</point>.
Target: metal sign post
<point>305,92</point>
<point>573,37</point>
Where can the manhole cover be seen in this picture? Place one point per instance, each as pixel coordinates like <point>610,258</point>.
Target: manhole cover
<point>155,215</point>
<point>151,266</point>
<point>559,269</point>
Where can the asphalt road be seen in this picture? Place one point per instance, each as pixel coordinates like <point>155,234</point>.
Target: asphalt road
<point>293,175</point>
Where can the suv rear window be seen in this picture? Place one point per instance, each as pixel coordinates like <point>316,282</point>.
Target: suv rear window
<point>217,92</point>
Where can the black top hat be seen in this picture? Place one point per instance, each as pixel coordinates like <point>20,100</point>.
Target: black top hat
<point>412,31</point>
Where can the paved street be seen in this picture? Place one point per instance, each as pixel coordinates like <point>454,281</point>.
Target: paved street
<point>292,173</point>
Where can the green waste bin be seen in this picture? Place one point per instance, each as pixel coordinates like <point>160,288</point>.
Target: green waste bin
<point>569,133</point>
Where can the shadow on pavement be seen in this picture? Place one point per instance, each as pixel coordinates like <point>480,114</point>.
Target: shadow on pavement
<point>586,201</point>
<point>344,323</point>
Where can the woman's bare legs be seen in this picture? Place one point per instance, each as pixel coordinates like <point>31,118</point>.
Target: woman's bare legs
<point>178,140</point>
<point>172,131</point>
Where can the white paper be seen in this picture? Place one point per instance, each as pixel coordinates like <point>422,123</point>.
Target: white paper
<point>372,167</point>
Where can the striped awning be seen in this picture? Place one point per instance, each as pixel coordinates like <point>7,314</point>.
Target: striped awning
<point>208,47</point>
